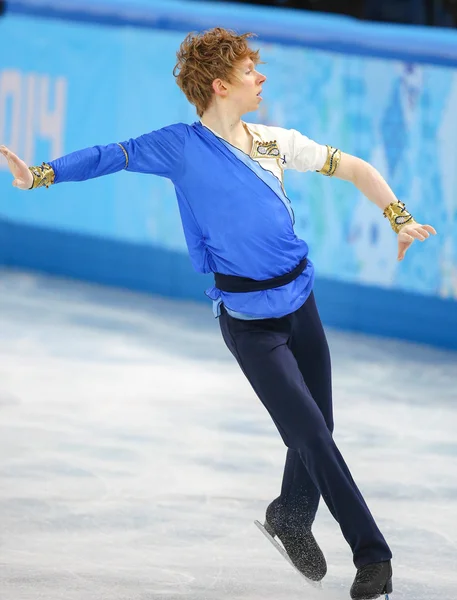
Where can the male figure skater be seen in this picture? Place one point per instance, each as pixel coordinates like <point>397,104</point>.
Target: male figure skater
<point>238,224</point>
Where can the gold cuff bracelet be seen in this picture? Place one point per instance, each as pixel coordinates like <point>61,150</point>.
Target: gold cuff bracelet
<point>398,215</point>
<point>43,176</point>
<point>332,162</point>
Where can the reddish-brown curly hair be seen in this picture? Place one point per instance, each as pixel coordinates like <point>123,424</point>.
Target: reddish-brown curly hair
<point>206,56</point>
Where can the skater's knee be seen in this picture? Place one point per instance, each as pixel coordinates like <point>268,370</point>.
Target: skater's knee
<point>311,441</point>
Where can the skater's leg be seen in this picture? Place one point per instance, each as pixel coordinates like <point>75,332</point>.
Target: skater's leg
<point>262,352</point>
<point>299,497</point>
<point>271,337</point>
<point>310,348</point>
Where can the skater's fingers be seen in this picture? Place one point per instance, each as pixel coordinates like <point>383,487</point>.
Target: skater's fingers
<point>430,229</point>
<point>6,152</point>
<point>424,233</point>
<point>416,233</point>
<point>12,158</point>
<point>15,160</point>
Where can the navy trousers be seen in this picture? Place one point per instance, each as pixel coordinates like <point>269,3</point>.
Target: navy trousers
<point>287,362</point>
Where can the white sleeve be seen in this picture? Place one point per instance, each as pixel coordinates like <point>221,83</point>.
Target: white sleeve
<point>303,154</point>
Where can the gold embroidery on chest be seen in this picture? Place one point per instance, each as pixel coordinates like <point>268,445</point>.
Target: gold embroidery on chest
<point>265,150</point>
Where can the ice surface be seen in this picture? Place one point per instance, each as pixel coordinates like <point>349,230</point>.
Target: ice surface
<point>134,456</point>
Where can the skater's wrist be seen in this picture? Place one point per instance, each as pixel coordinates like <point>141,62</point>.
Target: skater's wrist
<point>43,176</point>
<point>398,215</point>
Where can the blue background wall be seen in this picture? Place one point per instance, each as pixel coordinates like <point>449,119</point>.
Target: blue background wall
<point>384,93</point>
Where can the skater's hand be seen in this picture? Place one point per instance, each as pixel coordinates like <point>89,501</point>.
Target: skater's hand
<point>410,232</point>
<point>23,178</point>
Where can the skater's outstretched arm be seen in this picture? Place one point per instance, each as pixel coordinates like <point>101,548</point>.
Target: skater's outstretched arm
<point>159,153</point>
<point>372,185</point>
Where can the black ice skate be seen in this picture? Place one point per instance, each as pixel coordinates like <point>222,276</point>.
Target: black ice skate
<point>372,581</point>
<point>299,546</point>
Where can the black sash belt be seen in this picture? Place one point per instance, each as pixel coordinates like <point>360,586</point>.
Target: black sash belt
<point>233,283</point>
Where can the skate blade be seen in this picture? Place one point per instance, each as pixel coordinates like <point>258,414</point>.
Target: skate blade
<point>280,549</point>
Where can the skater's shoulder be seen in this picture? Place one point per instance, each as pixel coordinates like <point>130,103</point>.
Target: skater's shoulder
<point>175,133</point>
<point>263,129</point>
<point>177,128</point>
<point>270,133</point>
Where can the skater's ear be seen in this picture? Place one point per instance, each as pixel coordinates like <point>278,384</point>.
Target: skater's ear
<point>220,87</point>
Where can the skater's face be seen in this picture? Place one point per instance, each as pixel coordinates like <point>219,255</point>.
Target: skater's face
<point>246,89</point>
<point>243,93</point>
